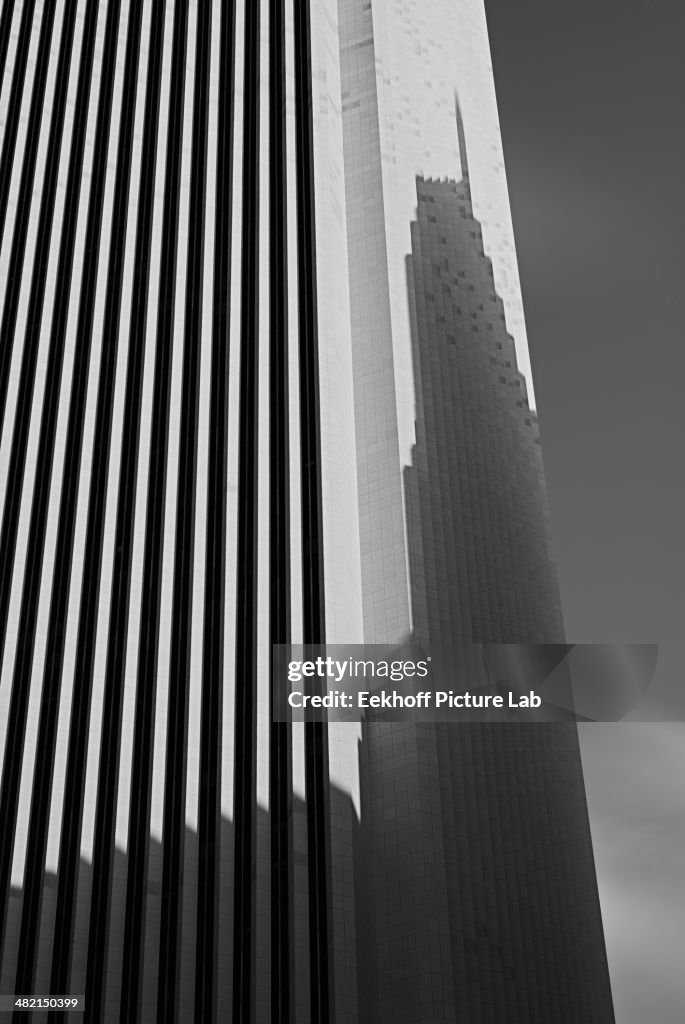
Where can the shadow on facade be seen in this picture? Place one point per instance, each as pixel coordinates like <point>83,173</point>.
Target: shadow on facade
<point>480,878</point>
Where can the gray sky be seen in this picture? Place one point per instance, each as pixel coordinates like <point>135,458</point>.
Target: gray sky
<point>590,97</point>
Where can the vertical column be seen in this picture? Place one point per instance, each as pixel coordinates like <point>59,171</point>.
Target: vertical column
<point>280,799</point>
<point>247,559</point>
<point>215,402</point>
<point>233,35</point>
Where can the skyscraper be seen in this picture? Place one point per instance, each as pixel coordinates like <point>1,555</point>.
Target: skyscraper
<point>479,850</point>
<point>258,382</point>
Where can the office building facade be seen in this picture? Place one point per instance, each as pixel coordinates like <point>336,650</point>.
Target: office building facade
<point>229,419</point>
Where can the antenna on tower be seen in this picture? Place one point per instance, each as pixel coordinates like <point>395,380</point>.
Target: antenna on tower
<point>463,153</point>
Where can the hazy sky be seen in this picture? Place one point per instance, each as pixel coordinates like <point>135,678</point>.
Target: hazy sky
<point>590,96</point>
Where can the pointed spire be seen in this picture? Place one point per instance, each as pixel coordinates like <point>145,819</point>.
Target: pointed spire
<point>463,152</point>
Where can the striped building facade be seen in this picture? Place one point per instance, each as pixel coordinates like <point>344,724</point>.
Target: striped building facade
<point>208,396</point>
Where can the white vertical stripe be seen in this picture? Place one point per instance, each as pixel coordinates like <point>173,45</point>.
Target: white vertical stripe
<point>128,710</point>
<point>58,464</point>
<point>197,600</point>
<point>59,769</point>
<point>263,567</point>
<point>228,748</point>
<point>187,961</point>
<point>158,761</point>
<point>296,611</point>
<point>94,733</point>
<point>166,608</point>
<point>151,926</point>
<point>225,937</point>
<point>6,83</point>
<point>263,482</point>
<point>195,696</point>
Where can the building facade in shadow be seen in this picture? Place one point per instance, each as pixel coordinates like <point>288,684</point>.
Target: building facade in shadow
<point>484,897</point>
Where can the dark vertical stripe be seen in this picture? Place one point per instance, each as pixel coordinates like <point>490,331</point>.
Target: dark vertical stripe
<point>182,611</point>
<point>109,759</point>
<point>16,726</point>
<point>5,27</point>
<point>15,475</point>
<point>316,738</point>
<point>145,695</point>
<point>42,786</point>
<point>28,170</point>
<point>206,962</point>
<point>280,802</point>
<point>246,577</point>
<point>78,733</point>
<point>12,124</point>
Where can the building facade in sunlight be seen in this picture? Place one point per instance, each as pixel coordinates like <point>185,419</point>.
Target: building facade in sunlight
<point>264,377</point>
